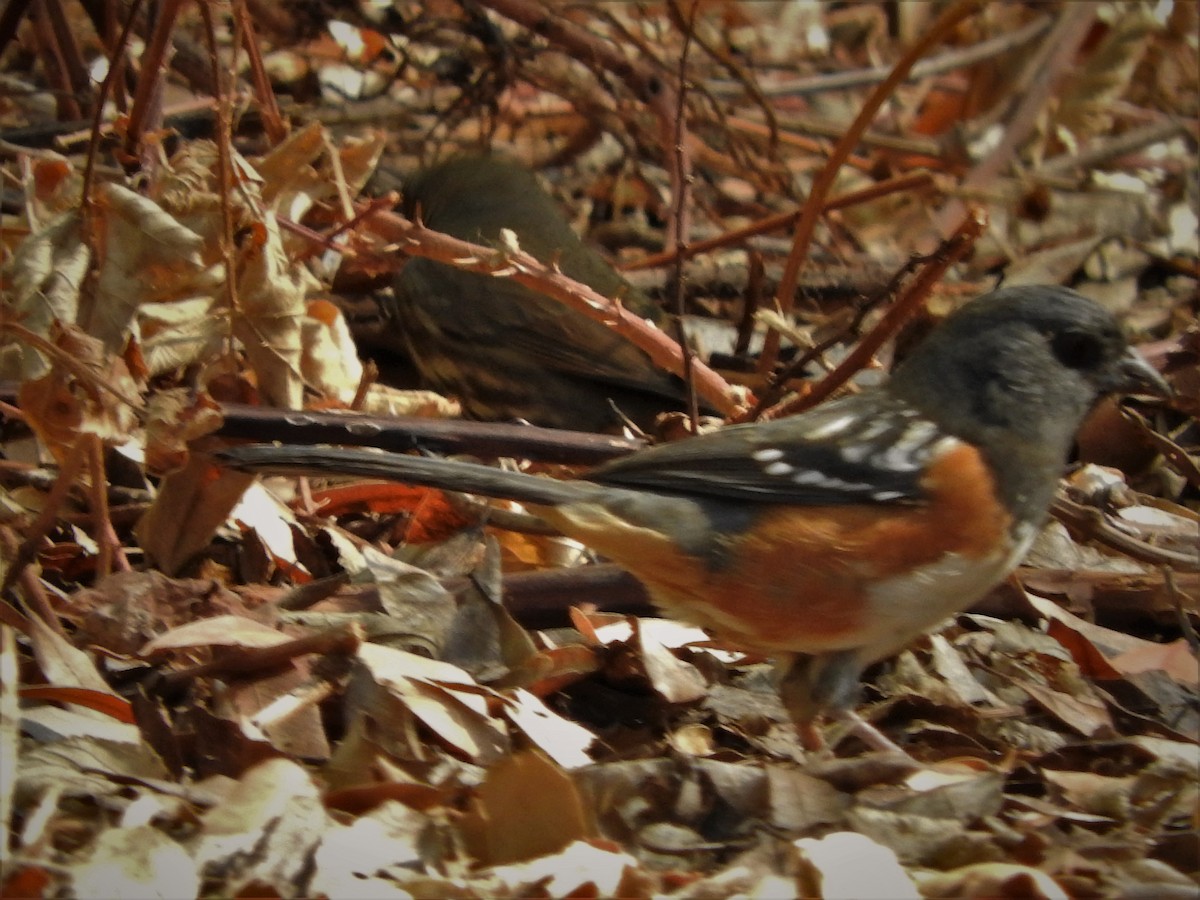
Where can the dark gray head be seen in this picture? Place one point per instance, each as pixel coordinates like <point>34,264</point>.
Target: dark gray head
<point>1017,371</point>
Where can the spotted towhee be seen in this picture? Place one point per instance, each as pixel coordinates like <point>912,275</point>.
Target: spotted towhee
<point>506,351</point>
<point>833,538</point>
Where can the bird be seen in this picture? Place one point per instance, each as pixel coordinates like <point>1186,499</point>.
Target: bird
<point>504,350</point>
<point>831,539</point>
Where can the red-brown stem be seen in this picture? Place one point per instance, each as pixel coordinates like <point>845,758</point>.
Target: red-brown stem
<point>785,298</point>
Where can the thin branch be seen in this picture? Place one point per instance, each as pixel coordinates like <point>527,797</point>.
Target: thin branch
<point>947,62</point>
<point>415,239</point>
<point>806,225</point>
<point>955,248</point>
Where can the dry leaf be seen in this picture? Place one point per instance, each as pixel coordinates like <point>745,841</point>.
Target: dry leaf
<point>424,687</point>
<point>265,831</point>
<point>563,741</point>
<point>140,861</point>
<point>526,807</point>
<point>145,256</point>
<point>851,866</point>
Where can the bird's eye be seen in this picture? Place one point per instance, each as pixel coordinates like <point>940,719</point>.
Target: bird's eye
<point>1078,349</point>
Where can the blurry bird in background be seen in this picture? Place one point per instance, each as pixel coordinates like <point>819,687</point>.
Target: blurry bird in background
<point>504,350</point>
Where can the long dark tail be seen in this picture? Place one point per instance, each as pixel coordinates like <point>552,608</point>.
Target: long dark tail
<point>447,474</point>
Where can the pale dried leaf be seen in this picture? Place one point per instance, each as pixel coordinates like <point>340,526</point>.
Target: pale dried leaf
<point>186,187</point>
<point>174,418</point>
<point>41,285</point>
<point>271,291</point>
<point>217,631</point>
<point>288,173</point>
<point>560,739</point>
<point>53,723</point>
<point>87,767</point>
<point>360,155</point>
<point>180,334</point>
<point>424,687</point>
<point>947,795</point>
<point>63,664</point>
<point>10,713</point>
<point>191,504</point>
<point>920,839</point>
<point>271,519</point>
<point>693,740</point>
<point>990,879</point>
<point>382,400</point>
<point>387,838</point>
<point>1050,265</point>
<point>854,867</point>
<point>1083,711</point>
<point>796,801</point>
<point>138,862</point>
<point>266,830</point>
<point>1176,659</point>
<point>673,679</point>
<point>330,362</point>
<point>1086,105</point>
<point>577,870</point>
<point>1098,795</point>
<point>146,256</point>
<point>86,392</point>
<point>956,676</point>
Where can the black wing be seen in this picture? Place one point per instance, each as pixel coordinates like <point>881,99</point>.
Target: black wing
<point>869,448</point>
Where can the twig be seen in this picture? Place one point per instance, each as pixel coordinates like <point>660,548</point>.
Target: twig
<point>647,83</point>
<point>223,140</point>
<point>75,366</point>
<point>799,141</point>
<point>340,640</point>
<point>147,97</point>
<point>680,204</point>
<point>806,225</point>
<point>78,77</point>
<point>1042,75</point>
<point>1185,624</point>
<point>947,62</point>
<point>910,182</point>
<point>110,549</point>
<point>33,595</point>
<point>400,434</point>
<point>1097,527</point>
<point>273,122</point>
<point>37,531</point>
<point>106,91</point>
<point>954,249</point>
<point>915,146</point>
<point>54,62</point>
<point>10,17</point>
<point>523,268</point>
<point>1102,151</point>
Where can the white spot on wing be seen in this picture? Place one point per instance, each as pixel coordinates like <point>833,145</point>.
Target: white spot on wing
<point>899,455</point>
<point>831,428</point>
<point>857,452</point>
<point>821,479</point>
<point>810,476</point>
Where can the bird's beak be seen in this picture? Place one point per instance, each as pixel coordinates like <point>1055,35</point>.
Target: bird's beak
<point>1137,376</point>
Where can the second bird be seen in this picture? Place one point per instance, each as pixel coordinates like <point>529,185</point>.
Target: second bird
<point>504,350</point>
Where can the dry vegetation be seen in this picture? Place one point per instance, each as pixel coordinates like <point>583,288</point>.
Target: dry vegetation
<point>206,690</point>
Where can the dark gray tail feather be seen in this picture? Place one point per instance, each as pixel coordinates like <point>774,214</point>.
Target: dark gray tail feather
<point>447,474</point>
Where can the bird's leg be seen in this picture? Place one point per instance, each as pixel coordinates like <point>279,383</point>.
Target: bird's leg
<point>810,685</point>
